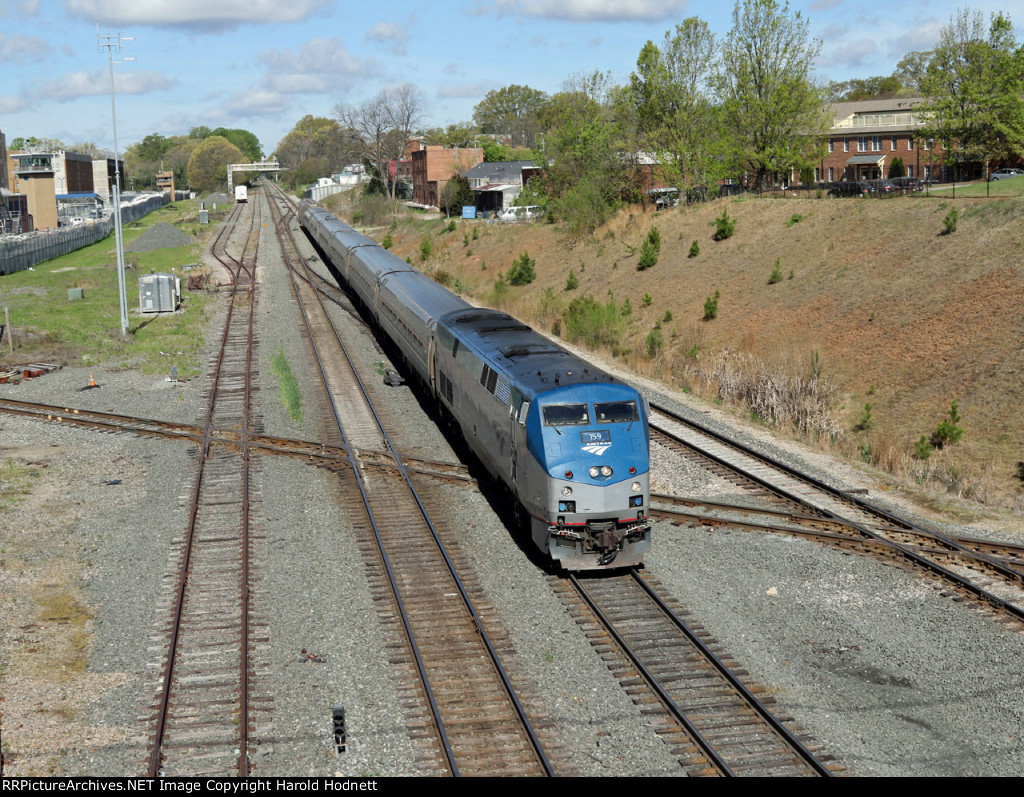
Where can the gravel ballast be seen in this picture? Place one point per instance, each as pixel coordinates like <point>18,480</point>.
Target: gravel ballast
<point>887,673</point>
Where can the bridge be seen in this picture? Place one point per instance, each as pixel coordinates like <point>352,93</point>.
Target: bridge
<point>265,166</point>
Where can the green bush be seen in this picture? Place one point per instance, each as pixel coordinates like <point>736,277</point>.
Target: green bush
<point>948,431</point>
<point>387,242</point>
<point>627,308</point>
<point>650,250</point>
<point>776,273</point>
<point>724,226</point>
<point>865,422</point>
<point>451,226</point>
<point>523,271</point>
<point>426,248</point>
<point>949,222</point>
<point>647,299</point>
<point>572,283</point>
<point>668,316</point>
<point>796,218</point>
<point>922,448</point>
<point>711,306</point>
<point>654,342</point>
<point>594,324</point>
<point>694,249</point>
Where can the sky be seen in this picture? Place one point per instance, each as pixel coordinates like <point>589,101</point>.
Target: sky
<point>262,65</point>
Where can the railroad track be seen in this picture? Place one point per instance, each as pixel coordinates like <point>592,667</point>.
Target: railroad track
<point>713,722</point>
<point>463,710</point>
<point>992,579</point>
<point>201,714</point>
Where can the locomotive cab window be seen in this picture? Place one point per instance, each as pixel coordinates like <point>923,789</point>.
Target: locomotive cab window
<point>565,414</point>
<point>616,412</point>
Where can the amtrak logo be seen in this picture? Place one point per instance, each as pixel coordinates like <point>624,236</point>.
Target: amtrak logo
<point>597,448</point>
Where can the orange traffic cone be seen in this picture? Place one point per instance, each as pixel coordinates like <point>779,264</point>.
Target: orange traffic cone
<point>92,382</point>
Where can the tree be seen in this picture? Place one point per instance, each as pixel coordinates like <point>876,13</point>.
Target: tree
<point>974,90</point>
<point>455,194</point>
<point>244,140</point>
<point>207,168</point>
<point>675,115</point>
<point>774,115</point>
<point>511,111</point>
<point>462,134</point>
<point>315,147</point>
<point>383,125</point>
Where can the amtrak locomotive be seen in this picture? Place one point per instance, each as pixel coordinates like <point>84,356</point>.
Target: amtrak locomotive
<point>568,440</point>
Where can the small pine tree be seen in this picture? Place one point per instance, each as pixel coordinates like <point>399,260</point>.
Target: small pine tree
<point>523,271</point>
<point>776,273</point>
<point>387,242</point>
<point>627,308</point>
<point>711,306</point>
<point>654,342</point>
<point>648,256</point>
<point>949,223</point>
<point>724,226</point>
<point>948,431</point>
<point>572,283</point>
<point>647,299</point>
<point>694,249</point>
<point>426,248</point>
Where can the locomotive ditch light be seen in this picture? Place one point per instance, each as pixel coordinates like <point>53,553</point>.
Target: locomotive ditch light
<point>567,491</point>
<point>594,471</point>
<point>636,487</point>
<point>606,470</point>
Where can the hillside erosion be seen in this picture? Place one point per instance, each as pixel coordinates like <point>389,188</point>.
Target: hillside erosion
<point>870,294</point>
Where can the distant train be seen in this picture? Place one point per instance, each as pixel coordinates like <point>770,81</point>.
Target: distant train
<point>241,193</point>
<point>570,441</point>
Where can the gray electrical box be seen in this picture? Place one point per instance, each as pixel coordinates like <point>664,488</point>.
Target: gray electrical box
<point>204,217</point>
<point>159,293</point>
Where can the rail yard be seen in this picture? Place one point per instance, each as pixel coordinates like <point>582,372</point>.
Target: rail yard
<point>350,595</point>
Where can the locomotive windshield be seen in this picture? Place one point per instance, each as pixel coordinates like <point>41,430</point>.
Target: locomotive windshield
<point>616,412</point>
<point>565,414</point>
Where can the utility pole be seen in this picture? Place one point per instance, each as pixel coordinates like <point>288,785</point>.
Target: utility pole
<point>114,43</point>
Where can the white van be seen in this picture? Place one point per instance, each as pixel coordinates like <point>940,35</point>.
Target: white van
<point>521,213</point>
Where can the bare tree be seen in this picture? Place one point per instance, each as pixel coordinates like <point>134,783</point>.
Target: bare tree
<point>383,125</point>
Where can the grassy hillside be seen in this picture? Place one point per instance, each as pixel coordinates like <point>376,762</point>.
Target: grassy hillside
<point>872,304</point>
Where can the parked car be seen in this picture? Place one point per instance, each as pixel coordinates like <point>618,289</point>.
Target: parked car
<point>521,213</point>
<point>850,188</point>
<point>907,183</point>
<point>1005,174</point>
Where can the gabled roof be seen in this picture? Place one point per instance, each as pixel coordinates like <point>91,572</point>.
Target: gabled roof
<point>499,171</point>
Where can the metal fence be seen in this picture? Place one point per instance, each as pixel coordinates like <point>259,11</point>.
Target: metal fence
<point>18,252</point>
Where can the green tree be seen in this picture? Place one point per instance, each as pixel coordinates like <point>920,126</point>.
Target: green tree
<point>511,111</point>
<point>675,113</point>
<point>896,168</point>
<point>773,113</point>
<point>455,194</point>
<point>244,140</point>
<point>523,270</point>
<point>974,90</point>
<point>207,167</point>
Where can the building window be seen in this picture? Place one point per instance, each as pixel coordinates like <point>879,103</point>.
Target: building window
<point>846,145</point>
<point>831,145</point>
<point>862,144</point>
<point>876,144</point>
<point>928,143</point>
<point>893,145</point>
<point>831,174</point>
<point>910,143</point>
<point>910,171</point>
<point>817,174</point>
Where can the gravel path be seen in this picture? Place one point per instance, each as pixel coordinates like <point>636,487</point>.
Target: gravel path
<point>892,677</point>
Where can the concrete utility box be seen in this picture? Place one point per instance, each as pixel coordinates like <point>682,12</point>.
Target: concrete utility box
<point>204,217</point>
<point>159,293</point>
<point>75,294</point>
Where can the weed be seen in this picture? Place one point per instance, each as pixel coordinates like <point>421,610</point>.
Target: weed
<point>572,283</point>
<point>426,248</point>
<point>796,218</point>
<point>451,226</point>
<point>647,299</point>
<point>476,233</point>
<point>865,453</point>
<point>626,309</point>
<point>291,397</point>
<point>465,240</point>
<point>776,273</point>
<point>654,342</point>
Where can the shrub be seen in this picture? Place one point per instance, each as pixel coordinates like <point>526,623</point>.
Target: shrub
<point>711,307</point>
<point>465,240</point>
<point>387,242</point>
<point>694,249</point>
<point>476,233</point>
<point>922,448</point>
<point>594,324</point>
<point>426,248</point>
<point>654,236</point>
<point>949,222</point>
<point>627,308</point>
<point>572,283</point>
<point>668,316</point>
<point>896,168</point>
<point>451,226</point>
<point>948,431</point>
<point>654,342</point>
<point>648,256</point>
<point>865,422</point>
<point>796,218</point>
<point>776,273</point>
<point>647,299</point>
<point>724,226</point>
<point>523,271</point>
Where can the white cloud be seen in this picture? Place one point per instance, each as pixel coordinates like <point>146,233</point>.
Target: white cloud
<point>24,49</point>
<point>14,9</point>
<point>72,85</point>
<point>922,37</point>
<point>584,10</point>
<point>465,90</point>
<point>849,54</point>
<point>394,34</point>
<point>201,16</point>
<point>320,66</point>
<point>13,103</point>
<point>257,103</point>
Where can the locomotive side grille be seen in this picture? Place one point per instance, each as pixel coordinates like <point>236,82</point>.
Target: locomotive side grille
<point>446,387</point>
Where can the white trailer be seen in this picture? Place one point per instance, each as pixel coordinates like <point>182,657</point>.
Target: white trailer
<point>241,194</point>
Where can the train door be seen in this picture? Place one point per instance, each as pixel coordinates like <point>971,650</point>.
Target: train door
<point>517,409</point>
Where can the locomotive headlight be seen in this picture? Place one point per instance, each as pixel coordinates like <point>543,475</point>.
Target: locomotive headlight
<point>567,491</point>
<point>636,487</point>
<point>606,470</point>
<point>594,472</point>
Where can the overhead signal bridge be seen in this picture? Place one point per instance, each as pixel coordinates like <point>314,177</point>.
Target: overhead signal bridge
<point>266,166</point>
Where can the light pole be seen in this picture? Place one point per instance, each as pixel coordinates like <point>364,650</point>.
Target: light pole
<point>114,42</point>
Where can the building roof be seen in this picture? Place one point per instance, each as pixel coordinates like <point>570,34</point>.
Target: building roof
<point>496,170</point>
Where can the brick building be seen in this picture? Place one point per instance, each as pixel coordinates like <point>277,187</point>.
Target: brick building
<point>866,136</point>
<point>433,166</point>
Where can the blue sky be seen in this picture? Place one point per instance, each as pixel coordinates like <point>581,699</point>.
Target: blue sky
<point>263,64</point>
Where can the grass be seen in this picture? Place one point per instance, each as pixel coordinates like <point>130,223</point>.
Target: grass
<point>1014,187</point>
<point>87,332</point>
<point>14,483</point>
<point>291,396</point>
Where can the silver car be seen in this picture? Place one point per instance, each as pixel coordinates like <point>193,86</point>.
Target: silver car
<point>1005,174</point>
